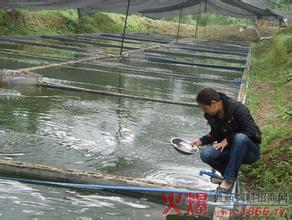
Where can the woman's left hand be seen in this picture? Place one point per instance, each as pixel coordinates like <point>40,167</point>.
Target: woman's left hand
<point>220,145</point>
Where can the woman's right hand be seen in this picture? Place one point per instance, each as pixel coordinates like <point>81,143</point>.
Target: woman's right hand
<point>197,142</point>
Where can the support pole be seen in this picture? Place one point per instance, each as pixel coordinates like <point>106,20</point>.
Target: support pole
<point>198,18</point>
<point>179,20</point>
<point>205,12</point>
<point>125,27</point>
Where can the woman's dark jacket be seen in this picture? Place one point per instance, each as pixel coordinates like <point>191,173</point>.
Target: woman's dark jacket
<point>237,119</point>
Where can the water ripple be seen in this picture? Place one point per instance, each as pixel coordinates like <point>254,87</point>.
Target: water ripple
<point>180,175</point>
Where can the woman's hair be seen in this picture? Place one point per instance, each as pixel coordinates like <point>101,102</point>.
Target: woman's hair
<point>207,95</point>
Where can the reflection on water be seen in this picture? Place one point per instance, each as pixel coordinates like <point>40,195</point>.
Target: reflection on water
<point>106,134</point>
<point>39,202</point>
<point>95,133</point>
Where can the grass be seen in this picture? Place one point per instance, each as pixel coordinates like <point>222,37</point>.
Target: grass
<point>211,19</point>
<point>269,99</point>
<point>35,22</point>
<point>28,22</point>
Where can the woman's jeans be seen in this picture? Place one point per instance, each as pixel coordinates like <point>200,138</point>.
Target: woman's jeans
<point>241,151</point>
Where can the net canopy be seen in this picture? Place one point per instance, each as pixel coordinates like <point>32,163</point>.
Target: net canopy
<point>208,6</point>
<point>154,8</point>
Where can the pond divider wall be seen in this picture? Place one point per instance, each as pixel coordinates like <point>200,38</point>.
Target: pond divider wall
<point>244,79</point>
<point>12,78</point>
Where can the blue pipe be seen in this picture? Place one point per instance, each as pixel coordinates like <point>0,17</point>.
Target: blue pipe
<point>102,187</point>
<point>117,188</point>
<point>210,174</point>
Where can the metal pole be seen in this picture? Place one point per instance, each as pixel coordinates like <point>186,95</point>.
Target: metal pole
<point>205,12</point>
<point>198,18</point>
<point>125,27</point>
<point>179,20</point>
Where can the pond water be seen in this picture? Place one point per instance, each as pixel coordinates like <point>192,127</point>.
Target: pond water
<point>113,135</point>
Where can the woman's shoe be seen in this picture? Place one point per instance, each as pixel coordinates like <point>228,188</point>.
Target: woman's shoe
<point>220,189</point>
<point>216,180</point>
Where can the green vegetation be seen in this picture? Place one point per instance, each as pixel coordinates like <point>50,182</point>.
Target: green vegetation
<point>211,19</point>
<point>29,22</point>
<point>269,99</point>
<point>281,4</point>
<point>112,22</point>
<point>36,22</point>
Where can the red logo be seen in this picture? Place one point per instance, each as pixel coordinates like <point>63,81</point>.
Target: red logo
<point>197,203</point>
